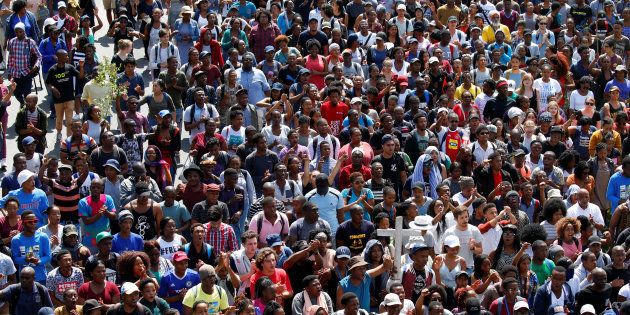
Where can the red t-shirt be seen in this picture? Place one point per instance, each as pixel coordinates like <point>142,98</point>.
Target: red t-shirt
<point>108,293</point>
<point>334,115</point>
<point>278,277</point>
<point>498,178</point>
<point>213,73</point>
<point>190,197</point>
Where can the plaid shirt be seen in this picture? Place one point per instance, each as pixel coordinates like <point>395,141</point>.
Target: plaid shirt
<point>223,239</point>
<point>19,64</point>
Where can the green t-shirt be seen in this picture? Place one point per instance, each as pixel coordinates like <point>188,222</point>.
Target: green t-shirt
<point>542,271</point>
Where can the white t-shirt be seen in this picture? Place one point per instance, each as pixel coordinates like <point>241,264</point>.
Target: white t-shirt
<point>546,89</point>
<point>591,210</point>
<point>490,239</point>
<point>207,111</point>
<point>577,101</point>
<point>34,163</point>
<point>472,232</point>
<point>234,138</point>
<point>459,197</point>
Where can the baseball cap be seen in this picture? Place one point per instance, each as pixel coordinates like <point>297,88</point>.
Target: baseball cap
<point>91,305</point>
<point>451,241</point>
<point>401,7</point>
<point>557,129</point>
<point>103,235</point>
<point>417,245</point>
<point>64,167</point>
<point>125,214</point>
<point>519,152</point>
<point>213,187</point>
<point>206,271</point>
<point>511,193</point>
<point>514,111</point>
<point>302,72</point>
<point>342,252</point>
<point>521,304</point>
<point>433,59</point>
<point>61,4</point>
<point>326,24</point>
<point>70,229</point>
<point>452,18</point>
<point>273,240</point>
<point>462,273</point>
<point>163,113</point>
<point>277,86</point>
<point>243,91</point>
<point>28,140</point>
<point>601,15</point>
<point>128,288</point>
<point>355,262</point>
<point>269,49</point>
<point>545,117</point>
<point>203,54</point>
<point>24,176</point>
<point>556,310</point>
<point>356,100</point>
<point>621,68</point>
<point>391,299</point>
<point>594,240</point>
<point>587,309</point>
<point>180,256</point>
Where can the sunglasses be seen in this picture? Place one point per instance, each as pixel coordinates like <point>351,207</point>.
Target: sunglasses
<point>483,133</point>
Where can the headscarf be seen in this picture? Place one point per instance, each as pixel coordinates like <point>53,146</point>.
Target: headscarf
<point>572,190</point>
<point>163,173</point>
<point>435,176</point>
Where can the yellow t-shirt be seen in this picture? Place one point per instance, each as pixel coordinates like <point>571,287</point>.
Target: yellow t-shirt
<point>217,301</point>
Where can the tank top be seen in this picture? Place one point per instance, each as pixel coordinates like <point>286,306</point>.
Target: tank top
<point>448,276</point>
<point>94,131</point>
<point>144,223</point>
<point>317,65</point>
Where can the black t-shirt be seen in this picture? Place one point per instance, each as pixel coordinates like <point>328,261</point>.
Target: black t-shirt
<point>557,149</point>
<point>306,35</point>
<point>98,158</point>
<point>597,299</point>
<point>287,76</point>
<point>354,238</point>
<point>613,274</point>
<point>391,170</point>
<point>63,80</point>
<point>496,107</point>
<point>580,15</point>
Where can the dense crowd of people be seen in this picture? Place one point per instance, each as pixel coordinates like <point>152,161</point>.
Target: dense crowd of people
<point>285,143</point>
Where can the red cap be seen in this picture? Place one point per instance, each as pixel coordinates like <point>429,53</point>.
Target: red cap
<point>402,80</point>
<point>213,187</point>
<point>180,256</point>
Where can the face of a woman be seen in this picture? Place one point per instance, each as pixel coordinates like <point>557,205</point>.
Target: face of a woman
<point>151,155</point>
<point>139,269</point>
<point>569,231</point>
<point>99,273</point>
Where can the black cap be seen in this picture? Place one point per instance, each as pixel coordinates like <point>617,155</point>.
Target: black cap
<point>557,129</point>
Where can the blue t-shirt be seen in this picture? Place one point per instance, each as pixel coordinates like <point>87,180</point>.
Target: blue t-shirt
<point>37,201</point>
<point>247,10</point>
<point>171,285</point>
<point>624,88</point>
<point>177,211</point>
<point>362,291</point>
<point>363,119</point>
<point>39,245</point>
<point>101,225</point>
<point>283,256</point>
<point>350,197</point>
<point>120,244</point>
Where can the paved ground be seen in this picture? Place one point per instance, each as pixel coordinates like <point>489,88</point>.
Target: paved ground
<point>104,47</point>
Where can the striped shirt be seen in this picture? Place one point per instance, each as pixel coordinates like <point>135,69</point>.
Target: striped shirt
<point>74,148</point>
<point>20,50</point>
<point>223,239</point>
<point>67,199</point>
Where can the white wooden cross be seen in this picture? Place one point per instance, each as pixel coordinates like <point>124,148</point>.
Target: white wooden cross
<point>397,236</point>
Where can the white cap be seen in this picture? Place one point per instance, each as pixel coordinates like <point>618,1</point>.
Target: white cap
<point>333,46</point>
<point>356,100</point>
<point>401,7</point>
<point>24,176</point>
<point>451,241</point>
<point>61,4</point>
<point>521,304</point>
<point>586,309</point>
<point>19,25</point>
<point>391,299</point>
<point>514,112</point>
<point>128,288</point>
<point>433,59</point>
<point>48,21</point>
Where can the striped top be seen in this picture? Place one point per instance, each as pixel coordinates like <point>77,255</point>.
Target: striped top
<point>67,199</point>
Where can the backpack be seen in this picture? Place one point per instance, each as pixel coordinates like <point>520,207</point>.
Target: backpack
<point>334,144</point>
<point>208,251</point>
<point>494,146</point>
<point>260,222</point>
<point>15,297</point>
<point>171,49</point>
<point>196,292</point>
<point>193,109</point>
